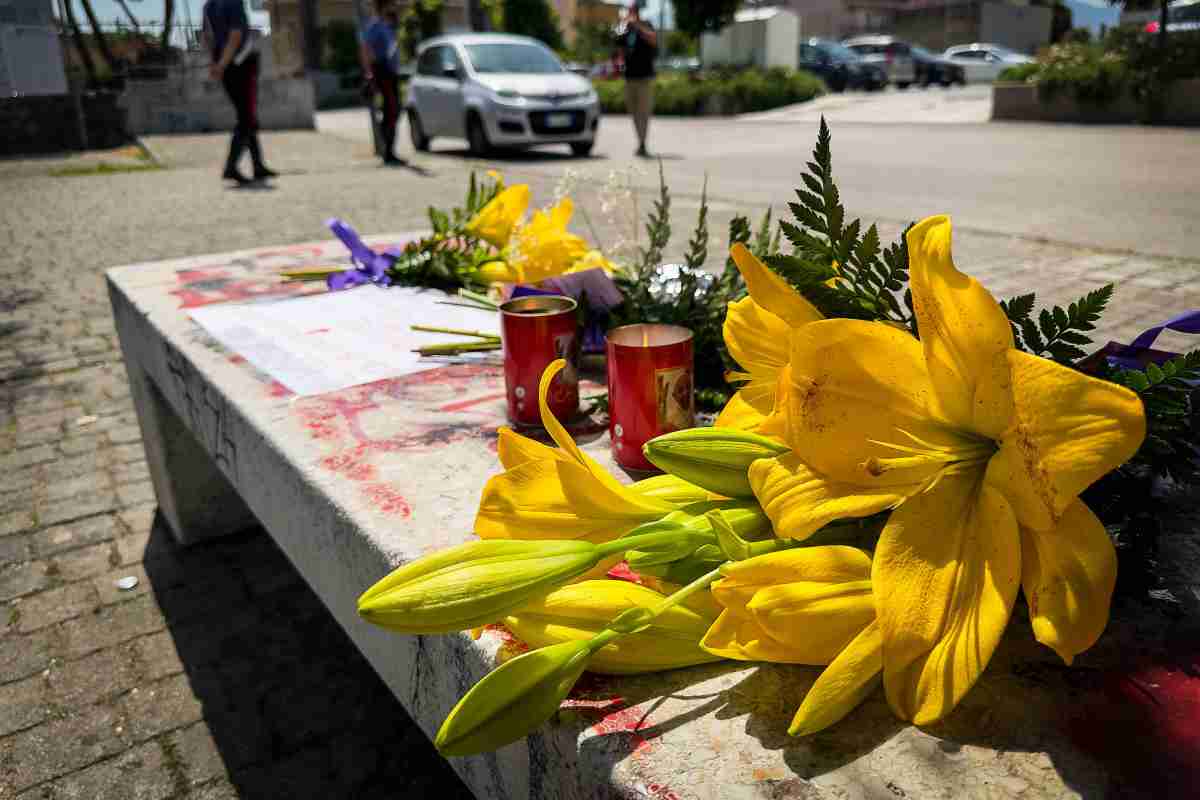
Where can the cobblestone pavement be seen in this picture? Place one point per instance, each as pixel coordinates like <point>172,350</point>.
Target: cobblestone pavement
<point>220,674</point>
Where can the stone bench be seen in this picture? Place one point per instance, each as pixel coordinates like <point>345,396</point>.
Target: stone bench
<point>355,482</point>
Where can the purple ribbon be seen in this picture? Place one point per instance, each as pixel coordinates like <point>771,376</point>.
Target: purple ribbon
<point>369,266</point>
<point>1187,322</point>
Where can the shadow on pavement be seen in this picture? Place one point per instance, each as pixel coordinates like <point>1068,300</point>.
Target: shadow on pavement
<point>294,708</point>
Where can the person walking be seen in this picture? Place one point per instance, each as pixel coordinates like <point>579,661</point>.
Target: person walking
<point>379,52</point>
<point>235,65</point>
<point>639,46</point>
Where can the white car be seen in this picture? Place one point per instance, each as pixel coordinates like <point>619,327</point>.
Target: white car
<point>983,62</point>
<point>496,90</point>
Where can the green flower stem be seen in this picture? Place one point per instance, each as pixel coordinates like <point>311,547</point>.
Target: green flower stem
<point>636,619</point>
<point>455,332</point>
<point>455,348</point>
<point>476,297</point>
<point>637,542</point>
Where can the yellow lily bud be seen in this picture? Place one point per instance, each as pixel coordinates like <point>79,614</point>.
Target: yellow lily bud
<point>513,700</point>
<point>472,584</point>
<point>498,271</point>
<point>716,459</point>
<point>672,489</point>
<point>799,606</point>
<point>580,611</point>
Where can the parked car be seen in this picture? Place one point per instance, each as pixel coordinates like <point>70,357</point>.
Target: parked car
<point>888,52</point>
<point>840,67</point>
<point>932,68</point>
<point>983,62</point>
<point>1182,15</point>
<point>497,90</point>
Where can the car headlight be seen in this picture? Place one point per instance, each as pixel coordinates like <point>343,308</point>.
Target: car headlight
<point>509,97</point>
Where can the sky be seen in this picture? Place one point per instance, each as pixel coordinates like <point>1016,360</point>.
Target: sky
<point>151,11</point>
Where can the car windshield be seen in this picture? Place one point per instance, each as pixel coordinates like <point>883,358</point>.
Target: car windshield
<point>527,59</point>
<point>840,51</point>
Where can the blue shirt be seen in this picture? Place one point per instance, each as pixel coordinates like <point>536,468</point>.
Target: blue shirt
<point>380,39</point>
<point>222,17</point>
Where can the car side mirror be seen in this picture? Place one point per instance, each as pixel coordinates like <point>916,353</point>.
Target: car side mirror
<point>452,72</point>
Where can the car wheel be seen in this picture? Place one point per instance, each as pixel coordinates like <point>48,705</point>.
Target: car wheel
<point>582,149</point>
<point>476,136</point>
<point>420,141</point>
<point>902,85</point>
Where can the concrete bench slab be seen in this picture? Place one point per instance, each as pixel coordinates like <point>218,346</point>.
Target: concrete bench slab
<point>353,483</point>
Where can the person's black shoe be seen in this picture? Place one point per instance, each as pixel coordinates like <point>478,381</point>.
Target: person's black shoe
<point>233,175</point>
<point>642,152</point>
<point>262,173</point>
<point>393,161</point>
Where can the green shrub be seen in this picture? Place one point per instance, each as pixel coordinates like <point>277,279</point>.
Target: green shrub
<point>1129,59</point>
<point>728,91</point>
<point>1019,72</point>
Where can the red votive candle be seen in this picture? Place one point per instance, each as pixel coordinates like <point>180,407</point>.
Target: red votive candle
<point>536,330</point>
<point>649,388</point>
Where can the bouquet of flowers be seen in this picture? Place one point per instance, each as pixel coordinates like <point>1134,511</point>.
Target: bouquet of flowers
<point>905,457</point>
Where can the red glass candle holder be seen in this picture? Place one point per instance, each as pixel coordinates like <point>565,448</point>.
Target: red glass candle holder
<point>650,388</point>
<point>536,330</point>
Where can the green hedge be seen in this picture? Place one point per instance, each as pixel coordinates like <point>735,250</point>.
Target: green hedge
<point>732,92</point>
<point>1128,60</point>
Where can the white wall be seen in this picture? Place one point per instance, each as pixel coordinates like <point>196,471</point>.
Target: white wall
<point>31,60</point>
<point>1023,28</point>
<point>758,37</point>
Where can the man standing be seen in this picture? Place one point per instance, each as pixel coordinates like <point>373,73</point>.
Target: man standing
<point>379,53</point>
<point>639,44</point>
<point>235,65</point>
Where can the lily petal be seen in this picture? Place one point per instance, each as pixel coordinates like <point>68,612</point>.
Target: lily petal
<point>528,502</point>
<point>816,620</point>
<point>637,502</point>
<point>740,413</point>
<point>756,338</point>
<point>1068,576</point>
<point>945,575</point>
<point>1070,429</point>
<point>843,685</point>
<point>772,292</point>
<point>800,501</point>
<point>964,333</point>
<point>515,449</point>
<point>855,384</point>
<point>740,638</point>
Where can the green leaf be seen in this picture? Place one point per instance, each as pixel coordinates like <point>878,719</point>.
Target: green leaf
<point>1154,373</point>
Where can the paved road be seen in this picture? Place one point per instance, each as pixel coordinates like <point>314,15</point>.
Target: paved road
<point>902,155</point>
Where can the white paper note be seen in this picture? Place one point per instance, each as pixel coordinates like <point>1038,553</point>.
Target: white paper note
<point>325,342</point>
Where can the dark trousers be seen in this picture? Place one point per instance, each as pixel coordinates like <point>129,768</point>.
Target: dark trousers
<point>387,83</point>
<point>241,84</point>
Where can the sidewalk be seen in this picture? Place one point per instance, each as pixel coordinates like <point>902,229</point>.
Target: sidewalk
<point>220,675</point>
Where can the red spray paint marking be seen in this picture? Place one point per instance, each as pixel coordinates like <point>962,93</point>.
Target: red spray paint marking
<point>628,721</point>
<point>622,572</point>
<point>463,405</point>
<point>318,330</point>
<point>387,500</point>
<point>1144,724</point>
<point>205,286</point>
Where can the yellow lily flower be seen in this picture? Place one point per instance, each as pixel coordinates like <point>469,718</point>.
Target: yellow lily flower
<point>581,610</point>
<point>981,449</point>
<point>807,606</point>
<point>594,259</point>
<point>495,221</point>
<point>757,330</point>
<point>548,493</point>
<point>542,248</point>
<point>801,606</point>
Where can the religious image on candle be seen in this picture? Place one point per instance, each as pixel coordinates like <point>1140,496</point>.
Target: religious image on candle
<point>673,393</point>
